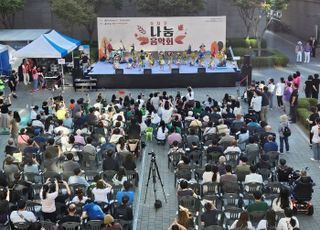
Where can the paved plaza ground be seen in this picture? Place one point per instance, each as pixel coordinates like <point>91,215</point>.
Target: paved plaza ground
<point>146,216</point>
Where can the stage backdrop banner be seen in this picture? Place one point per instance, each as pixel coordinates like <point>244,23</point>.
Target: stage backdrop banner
<point>160,34</point>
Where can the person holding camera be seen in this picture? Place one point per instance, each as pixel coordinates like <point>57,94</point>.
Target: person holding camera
<point>48,195</point>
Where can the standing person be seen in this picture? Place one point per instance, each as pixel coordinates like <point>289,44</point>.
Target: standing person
<point>190,97</point>
<point>35,78</point>
<point>312,121</point>
<point>256,102</point>
<point>271,88</point>
<point>279,92</point>
<point>294,103</point>
<point>316,83</point>
<point>13,82</point>
<point>299,50</point>
<point>286,98</point>
<point>25,72</point>
<point>313,43</point>
<point>283,135</point>
<point>307,51</point>
<point>264,104</point>
<point>48,195</point>
<point>308,86</point>
<point>315,130</point>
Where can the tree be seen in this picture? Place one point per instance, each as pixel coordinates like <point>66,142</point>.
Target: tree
<point>8,9</point>
<point>268,10</point>
<point>81,12</point>
<point>258,14</point>
<point>247,10</point>
<point>170,7</point>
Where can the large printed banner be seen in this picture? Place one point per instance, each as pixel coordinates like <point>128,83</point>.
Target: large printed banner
<point>159,34</point>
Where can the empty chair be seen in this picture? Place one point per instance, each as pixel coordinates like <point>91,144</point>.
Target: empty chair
<point>70,225</point>
<point>231,214</point>
<point>231,200</point>
<point>266,174</point>
<point>210,188</point>
<point>232,158</point>
<point>94,224</point>
<point>34,207</point>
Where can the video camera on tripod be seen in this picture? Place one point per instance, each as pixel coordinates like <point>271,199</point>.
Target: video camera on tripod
<point>153,168</point>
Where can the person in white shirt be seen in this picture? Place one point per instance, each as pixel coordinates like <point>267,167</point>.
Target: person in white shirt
<point>166,112</point>
<point>233,148</point>
<point>101,191</point>
<point>65,130</point>
<point>279,91</point>
<point>315,130</point>
<point>253,177</point>
<point>190,94</point>
<point>155,101</point>
<point>34,112</point>
<point>48,195</point>
<point>271,88</point>
<point>256,102</point>
<point>289,222</point>
<point>21,215</point>
<point>79,198</point>
<point>162,131</point>
<point>120,177</point>
<point>282,201</point>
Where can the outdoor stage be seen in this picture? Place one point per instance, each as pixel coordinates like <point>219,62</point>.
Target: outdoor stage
<point>187,76</point>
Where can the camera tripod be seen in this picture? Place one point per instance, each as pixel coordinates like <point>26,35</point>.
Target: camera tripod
<point>153,168</point>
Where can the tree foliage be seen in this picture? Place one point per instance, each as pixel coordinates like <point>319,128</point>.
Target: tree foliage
<point>81,12</point>
<point>8,9</point>
<point>253,12</point>
<point>170,7</point>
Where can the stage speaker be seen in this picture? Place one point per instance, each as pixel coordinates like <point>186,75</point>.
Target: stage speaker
<point>147,71</point>
<point>246,60</point>
<point>246,75</point>
<point>119,71</point>
<point>76,63</point>
<point>175,71</point>
<point>201,70</point>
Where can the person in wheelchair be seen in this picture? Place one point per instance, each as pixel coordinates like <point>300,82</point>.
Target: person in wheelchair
<point>283,171</point>
<point>303,187</point>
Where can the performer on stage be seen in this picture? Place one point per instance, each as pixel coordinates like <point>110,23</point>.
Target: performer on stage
<point>170,59</point>
<point>116,61</point>
<point>142,59</point>
<point>161,60</point>
<point>193,58</point>
<point>150,59</point>
<point>184,58</point>
<point>212,63</point>
<point>178,60</point>
<point>201,60</point>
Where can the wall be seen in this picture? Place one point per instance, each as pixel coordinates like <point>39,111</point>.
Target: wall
<point>302,16</point>
<point>37,14</point>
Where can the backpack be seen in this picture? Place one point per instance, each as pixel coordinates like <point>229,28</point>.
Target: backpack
<point>286,131</point>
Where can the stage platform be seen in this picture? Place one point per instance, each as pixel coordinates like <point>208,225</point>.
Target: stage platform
<point>188,75</point>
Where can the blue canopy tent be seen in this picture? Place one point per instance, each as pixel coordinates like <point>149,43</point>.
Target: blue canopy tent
<point>51,45</point>
<point>5,67</point>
